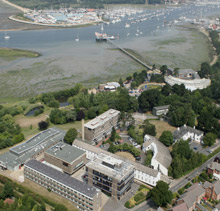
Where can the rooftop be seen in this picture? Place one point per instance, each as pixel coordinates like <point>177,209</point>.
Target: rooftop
<point>65,152</point>
<point>180,132</point>
<point>101,119</point>
<point>214,165</point>
<point>98,150</point>
<point>161,107</point>
<point>34,141</point>
<point>192,194</point>
<point>185,73</point>
<point>111,166</point>
<point>180,207</point>
<point>162,153</point>
<point>12,159</point>
<point>62,178</point>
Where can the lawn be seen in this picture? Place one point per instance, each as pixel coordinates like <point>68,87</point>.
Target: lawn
<point>161,126</point>
<point>127,155</point>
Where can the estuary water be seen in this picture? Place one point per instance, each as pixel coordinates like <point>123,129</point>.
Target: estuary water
<point>161,39</point>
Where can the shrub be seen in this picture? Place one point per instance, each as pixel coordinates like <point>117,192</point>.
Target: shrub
<point>129,205</point>
<point>187,185</point>
<point>142,187</point>
<point>181,190</point>
<point>139,197</point>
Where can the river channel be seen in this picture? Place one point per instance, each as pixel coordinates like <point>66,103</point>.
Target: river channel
<point>65,62</point>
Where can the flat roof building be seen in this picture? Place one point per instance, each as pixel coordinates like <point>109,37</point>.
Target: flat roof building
<point>141,173</point>
<point>33,147</point>
<point>160,110</point>
<point>101,126</point>
<point>66,157</point>
<point>113,176</point>
<point>85,197</point>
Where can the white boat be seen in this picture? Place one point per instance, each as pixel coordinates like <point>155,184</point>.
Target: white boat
<point>6,37</point>
<point>77,37</point>
<point>127,25</point>
<point>102,28</point>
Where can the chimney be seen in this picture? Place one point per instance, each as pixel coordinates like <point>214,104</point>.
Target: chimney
<point>83,129</point>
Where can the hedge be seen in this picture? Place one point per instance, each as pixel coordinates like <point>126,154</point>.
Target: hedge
<point>139,196</point>
<point>128,205</point>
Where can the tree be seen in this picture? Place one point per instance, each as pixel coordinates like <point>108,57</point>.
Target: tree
<point>163,69</point>
<point>113,135</point>
<point>209,139</point>
<point>121,82</point>
<point>43,125</point>
<point>70,136</point>
<point>160,194</point>
<point>80,115</point>
<point>166,138</point>
<point>8,191</point>
<point>149,128</point>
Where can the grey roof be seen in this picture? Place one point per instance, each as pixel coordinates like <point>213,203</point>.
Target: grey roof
<point>12,159</point>
<point>214,165</point>
<point>115,168</point>
<point>180,207</point>
<point>157,108</point>
<point>163,154</point>
<point>65,152</point>
<point>207,184</point>
<point>217,187</point>
<point>191,195</point>
<point>34,141</point>
<point>98,150</point>
<point>188,71</point>
<point>62,178</point>
<point>180,132</point>
<point>101,119</point>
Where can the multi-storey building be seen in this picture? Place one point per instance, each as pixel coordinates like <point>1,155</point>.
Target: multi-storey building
<point>141,173</point>
<point>101,126</point>
<point>113,176</point>
<point>32,148</point>
<point>84,197</point>
<point>66,157</point>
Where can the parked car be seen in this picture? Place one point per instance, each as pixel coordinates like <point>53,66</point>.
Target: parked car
<point>138,158</point>
<point>195,148</point>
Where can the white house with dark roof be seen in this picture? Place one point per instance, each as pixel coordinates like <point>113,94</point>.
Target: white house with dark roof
<point>160,110</point>
<point>186,132</point>
<point>161,159</point>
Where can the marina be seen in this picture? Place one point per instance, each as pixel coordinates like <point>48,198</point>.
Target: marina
<point>61,65</point>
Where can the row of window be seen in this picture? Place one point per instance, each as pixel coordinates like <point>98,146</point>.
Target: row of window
<point>54,183</point>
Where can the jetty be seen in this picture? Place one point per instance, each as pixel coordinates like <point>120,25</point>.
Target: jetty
<point>128,54</point>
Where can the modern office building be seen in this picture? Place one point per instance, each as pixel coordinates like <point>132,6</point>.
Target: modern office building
<point>83,196</point>
<point>100,127</point>
<point>66,157</point>
<point>141,173</point>
<point>113,176</point>
<point>32,148</point>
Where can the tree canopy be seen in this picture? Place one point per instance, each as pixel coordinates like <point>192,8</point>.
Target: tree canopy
<point>70,136</point>
<point>160,194</point>
<point>166,138</point>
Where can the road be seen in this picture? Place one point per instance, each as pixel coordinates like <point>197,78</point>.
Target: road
<point>190,176</point>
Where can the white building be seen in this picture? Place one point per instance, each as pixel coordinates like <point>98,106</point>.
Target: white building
<point>189,78</point>
<point>161,159</point>
<point>141,173</point>
<point>186,132</point>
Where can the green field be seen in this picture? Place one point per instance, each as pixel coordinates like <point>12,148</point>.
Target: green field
<point>11,54</point>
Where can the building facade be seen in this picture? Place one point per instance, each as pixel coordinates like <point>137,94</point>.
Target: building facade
<point>186,132</point>
<point>66,157</point>
<point>32,148</point>
<point>161,159</point>
<point>83,196</point>
<point>141,173</point>
<point>100,127</point>
<point>113,176</point>
<point>160,110</point>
